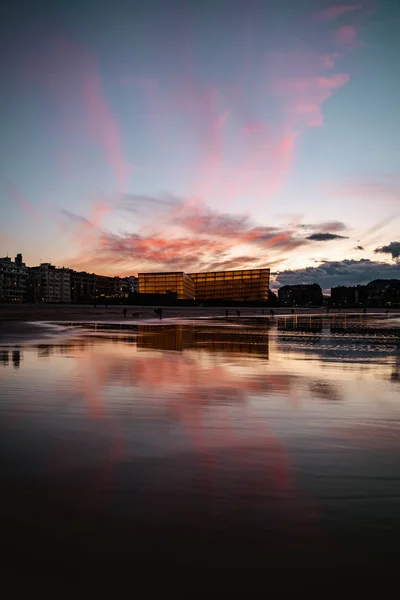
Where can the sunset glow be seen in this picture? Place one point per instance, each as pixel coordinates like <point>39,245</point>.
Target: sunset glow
<point>237,135</point>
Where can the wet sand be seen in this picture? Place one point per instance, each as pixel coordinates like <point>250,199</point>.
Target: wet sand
<point>189,447</point>
<point>28,323</point>
<point>74,313</point>
<point>20,332</point>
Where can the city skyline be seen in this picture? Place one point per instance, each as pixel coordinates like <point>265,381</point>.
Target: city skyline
<point>203,136</point>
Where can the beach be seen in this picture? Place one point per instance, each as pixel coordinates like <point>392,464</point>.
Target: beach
<point>32,322</point>
<point>258,441</point>
<point>83,312</point>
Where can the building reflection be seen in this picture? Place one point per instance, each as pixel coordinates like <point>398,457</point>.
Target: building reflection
<point>212,339</point>
<point>16,358</point>
<point>44,350</point>
<point>307,324</point>
<point>4,357</point>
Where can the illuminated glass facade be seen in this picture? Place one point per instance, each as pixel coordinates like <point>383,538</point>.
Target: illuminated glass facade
<point>178,283</point>
<point>246,285</point>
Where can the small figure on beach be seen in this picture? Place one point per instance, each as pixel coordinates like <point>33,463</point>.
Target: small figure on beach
<point>135,315</point>
<point>226,313</point>
<point>158,312</point>
<point>262,311</point>
<point>272,312</point>
<point>292,311</point>
<point>125,311</point>
<point>327,309</point>
<point>238,313</point>
<point>364,311</point>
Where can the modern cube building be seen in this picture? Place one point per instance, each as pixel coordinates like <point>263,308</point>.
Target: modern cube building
<point>245,285</point>
<point>174,283</point>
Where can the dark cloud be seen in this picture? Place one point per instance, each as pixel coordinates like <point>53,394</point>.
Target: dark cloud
<point>325,237</point>
<point>332,273</point>
<point>393,248</point>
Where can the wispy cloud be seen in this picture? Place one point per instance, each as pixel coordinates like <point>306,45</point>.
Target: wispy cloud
<point>296,88</point>
<point>71,75</point>
<point>347,35</point>
<point>15,195</point>
<point>187,236</point>
<point>335,12</point>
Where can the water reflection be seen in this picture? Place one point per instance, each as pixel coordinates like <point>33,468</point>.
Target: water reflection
<point>16,358</point>
<point>231,444</point>
<point>212,339</point>
<point>301,324</point>
<point>4,357</point>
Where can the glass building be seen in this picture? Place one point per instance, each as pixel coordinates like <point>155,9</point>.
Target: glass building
<point>178,283</point>
<point>245,285</point>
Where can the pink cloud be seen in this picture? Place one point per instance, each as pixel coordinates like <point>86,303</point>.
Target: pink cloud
<point>334,12</point>
<point>304,94</point>
<point>190,237</point>
<point>18,198</point>
<point>104,127</point>
<point>76,84</point>
<point>347,35</point>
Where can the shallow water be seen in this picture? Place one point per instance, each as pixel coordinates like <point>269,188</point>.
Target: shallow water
<point>267,442</point>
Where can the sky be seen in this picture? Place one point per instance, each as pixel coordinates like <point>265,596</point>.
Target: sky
<point>202,135</point>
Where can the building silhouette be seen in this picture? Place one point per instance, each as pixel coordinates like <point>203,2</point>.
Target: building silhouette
<point>300,295</point>
<point>349,296</point>
<point>377,293</point>
<point>49,284</point>
<point>13,279</point>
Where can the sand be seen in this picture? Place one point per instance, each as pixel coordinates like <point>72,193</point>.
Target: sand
<point>28,322</point>
<point>87,313</point>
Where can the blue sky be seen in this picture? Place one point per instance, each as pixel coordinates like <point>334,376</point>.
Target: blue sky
<point>198,135</point>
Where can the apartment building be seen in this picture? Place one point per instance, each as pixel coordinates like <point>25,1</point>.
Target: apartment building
<point>13,279</point>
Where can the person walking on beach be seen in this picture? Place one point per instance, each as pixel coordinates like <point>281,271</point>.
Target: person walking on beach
<point>238,313</point>
<point>125,311</point>
<point>226,313</point>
